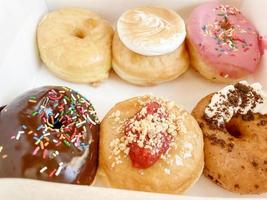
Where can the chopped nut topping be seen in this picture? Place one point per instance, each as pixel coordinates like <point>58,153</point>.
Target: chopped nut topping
<point>149,127</point>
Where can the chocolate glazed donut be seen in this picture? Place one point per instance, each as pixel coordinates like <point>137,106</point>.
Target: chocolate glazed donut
<point>49,133</point>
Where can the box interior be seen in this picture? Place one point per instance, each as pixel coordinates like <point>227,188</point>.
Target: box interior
<point>21,69</point>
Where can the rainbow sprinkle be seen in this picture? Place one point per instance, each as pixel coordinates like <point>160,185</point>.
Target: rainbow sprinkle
<point>43,169</point>
<point>63,117</point>
<point>4,156</point>
<point>226,33</point>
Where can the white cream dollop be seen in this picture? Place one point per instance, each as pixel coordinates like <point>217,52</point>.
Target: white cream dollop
<point>221,108</point>
<point>151,31</point>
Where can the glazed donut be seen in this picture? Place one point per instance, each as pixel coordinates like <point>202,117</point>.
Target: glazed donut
<point>75,44</point>
<point>224,46</point>
<point>51,134</point>
<point>150,144</point>
<point>234,124</point>
<point>151,41</point>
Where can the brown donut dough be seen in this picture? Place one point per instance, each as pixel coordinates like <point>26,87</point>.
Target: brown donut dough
<point>236,157</point>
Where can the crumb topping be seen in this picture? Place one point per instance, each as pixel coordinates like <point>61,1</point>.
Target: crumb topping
<point>232,100</point>
<point>150,133</point>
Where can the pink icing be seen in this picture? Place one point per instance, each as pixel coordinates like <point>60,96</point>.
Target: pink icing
<point>225,38</point>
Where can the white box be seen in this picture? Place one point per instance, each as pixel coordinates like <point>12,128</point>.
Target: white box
<point>21,69</point>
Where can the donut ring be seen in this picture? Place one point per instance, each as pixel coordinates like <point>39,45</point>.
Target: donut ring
<point>223,45</point>
<point>235,156</point>
<point>208,71</point>
<point>151,40</point>
<point>175,172</point>
<point>148,70</point>
<point>49,133</point>
<point>75,44</point>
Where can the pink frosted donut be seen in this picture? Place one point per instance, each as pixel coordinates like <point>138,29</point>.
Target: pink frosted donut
<point>223,44</point>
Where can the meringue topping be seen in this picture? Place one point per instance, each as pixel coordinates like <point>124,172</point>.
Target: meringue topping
<point>151,31</point>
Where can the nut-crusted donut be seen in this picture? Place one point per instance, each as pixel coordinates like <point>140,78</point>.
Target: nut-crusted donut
<point>149,144</point>
<point>235,143</point>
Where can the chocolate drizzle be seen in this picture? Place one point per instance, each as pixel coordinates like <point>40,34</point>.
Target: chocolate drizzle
<point>49,133</point>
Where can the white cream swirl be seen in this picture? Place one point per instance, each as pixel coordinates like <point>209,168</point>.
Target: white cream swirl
<point>151,31</point>
<point>223,106</point>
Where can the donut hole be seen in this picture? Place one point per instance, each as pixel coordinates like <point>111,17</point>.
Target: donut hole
<point>233,130</point>
<point>55,124</point>
<point>79,33</point>
<point>84,29</point>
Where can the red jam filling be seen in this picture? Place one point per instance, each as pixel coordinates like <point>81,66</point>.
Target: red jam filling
<point>144,157</point>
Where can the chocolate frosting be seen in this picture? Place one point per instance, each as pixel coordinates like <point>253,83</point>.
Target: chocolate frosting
<point>49,133</point>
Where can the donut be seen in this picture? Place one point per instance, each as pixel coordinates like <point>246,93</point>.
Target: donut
<point>151,40</point>
<point>51,134</point>
<point>234,125</point>
<point>223,45</point>
<point>75,44</point>
<point>150,144</point>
